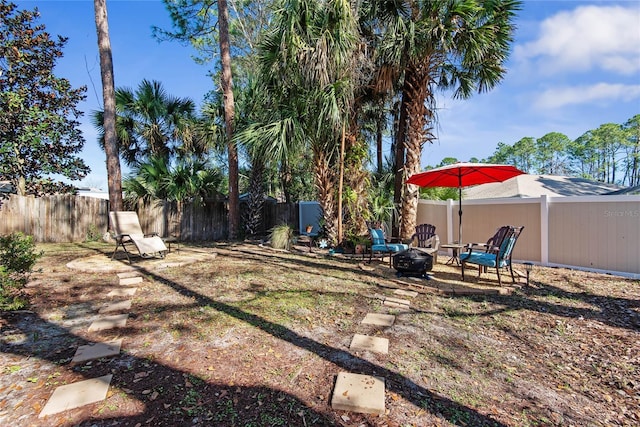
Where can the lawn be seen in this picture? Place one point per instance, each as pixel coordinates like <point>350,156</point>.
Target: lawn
<point>248,336</point>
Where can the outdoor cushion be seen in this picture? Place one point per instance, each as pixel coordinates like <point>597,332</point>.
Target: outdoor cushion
<point>482,258</point>
<point>389,247</point>
<point>497,254</point>
<point>377,235</point>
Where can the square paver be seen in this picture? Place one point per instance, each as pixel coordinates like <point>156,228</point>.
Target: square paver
<point>396,305</point>
<point>115,306</point>
<point>402,292</point>
<point>358,393</point>
<point>127,274</point>
<point>379,319</point>
<point>97,351</point>
<point>397,300</point>
<point>124,292</point>
<point>76,395</point>
<point>365,342</point>
<point>126,281</point>
<point>109,322</point>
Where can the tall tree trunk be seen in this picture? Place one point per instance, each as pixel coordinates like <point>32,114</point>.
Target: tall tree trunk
<point>379,126</point>
<point>340,186</point>
<point>399,162</point>
<point>357,179</point>
<point>227,90</point>
<point>255,203</point>
<point>286,178</point>
<point>325,180</point>
<point>417,85</point>
<point>114,173</point>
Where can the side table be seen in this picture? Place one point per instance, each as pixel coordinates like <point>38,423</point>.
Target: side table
<point>455,252</point>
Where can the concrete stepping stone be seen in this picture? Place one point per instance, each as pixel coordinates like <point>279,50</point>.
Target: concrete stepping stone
<point>99,350</point>
<point>76,395</point>
<point>127,274</point>
<point>358,393</point>
<point>409,294</point>
<point>365,342</point>
<point>395,304</point>
<point>379,319</point>
<point>397,300</point>
<point>126,281</point>
<point>115,306</point>
<point>109,322</point>
<point>124,292</point>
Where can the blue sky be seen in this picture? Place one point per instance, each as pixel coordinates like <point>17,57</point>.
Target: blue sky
<point>575,65</point>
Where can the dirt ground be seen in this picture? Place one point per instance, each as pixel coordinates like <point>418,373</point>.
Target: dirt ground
<point>242,335</point>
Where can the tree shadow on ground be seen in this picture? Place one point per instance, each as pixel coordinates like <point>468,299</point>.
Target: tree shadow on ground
<point>609,310</point>
<point>208,401</point>
<point>182,399</point>
<point>394,382</point>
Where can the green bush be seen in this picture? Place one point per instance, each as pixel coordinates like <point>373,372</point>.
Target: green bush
<point>18,255</point>
<point>93,234</point>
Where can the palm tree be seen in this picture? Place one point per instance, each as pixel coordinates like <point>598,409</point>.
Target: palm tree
<point>437,44</point>
<point>151,123</point>
<point>305,62</point>
<point>114,174</point>
<point>190,180</point>
<point>205,25</point>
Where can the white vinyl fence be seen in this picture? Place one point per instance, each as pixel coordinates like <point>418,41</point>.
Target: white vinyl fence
<point>598,233</point>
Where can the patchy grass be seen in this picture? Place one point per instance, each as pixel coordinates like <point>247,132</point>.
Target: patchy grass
<point>255,337</point>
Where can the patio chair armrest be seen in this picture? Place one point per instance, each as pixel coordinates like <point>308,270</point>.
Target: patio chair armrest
<point>471,246</point>
<point>492,248</point>
<point>122,237</point>
<point>151,234</point>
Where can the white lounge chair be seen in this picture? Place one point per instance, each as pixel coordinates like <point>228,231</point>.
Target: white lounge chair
<point>128,233</point>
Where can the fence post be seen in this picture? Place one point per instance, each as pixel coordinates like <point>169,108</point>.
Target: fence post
<point>544,230</point>
<point>450,237</point>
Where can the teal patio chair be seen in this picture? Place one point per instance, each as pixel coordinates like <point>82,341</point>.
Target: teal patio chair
<point>379,245</point>
<point>496,253</point>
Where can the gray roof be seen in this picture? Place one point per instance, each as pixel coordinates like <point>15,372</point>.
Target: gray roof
<point>537,185</point>
<point>626,191</point>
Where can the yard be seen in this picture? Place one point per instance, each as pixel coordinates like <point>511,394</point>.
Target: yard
<point>248,336</point>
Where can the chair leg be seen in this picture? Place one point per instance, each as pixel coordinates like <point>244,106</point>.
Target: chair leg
<point>462,266</point>
<point>126,252</point>
<point>512,276</point>
<point>498,272</point>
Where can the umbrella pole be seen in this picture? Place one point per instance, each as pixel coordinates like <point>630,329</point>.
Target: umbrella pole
<point>460,215</point>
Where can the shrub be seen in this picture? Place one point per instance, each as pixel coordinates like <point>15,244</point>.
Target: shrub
<point>93,234</point>
<point>17,258</point>
<point>281,236</point>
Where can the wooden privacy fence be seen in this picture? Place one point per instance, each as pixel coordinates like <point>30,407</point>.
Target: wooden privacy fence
<point>58,219</point>
<point>66,218</point>
<point>600,233</point>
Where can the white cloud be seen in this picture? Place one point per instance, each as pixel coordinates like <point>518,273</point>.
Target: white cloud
<point>588,37</point>
<point>604,93</point>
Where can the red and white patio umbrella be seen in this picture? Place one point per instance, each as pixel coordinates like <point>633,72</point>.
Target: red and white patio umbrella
<point>463,175</point>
